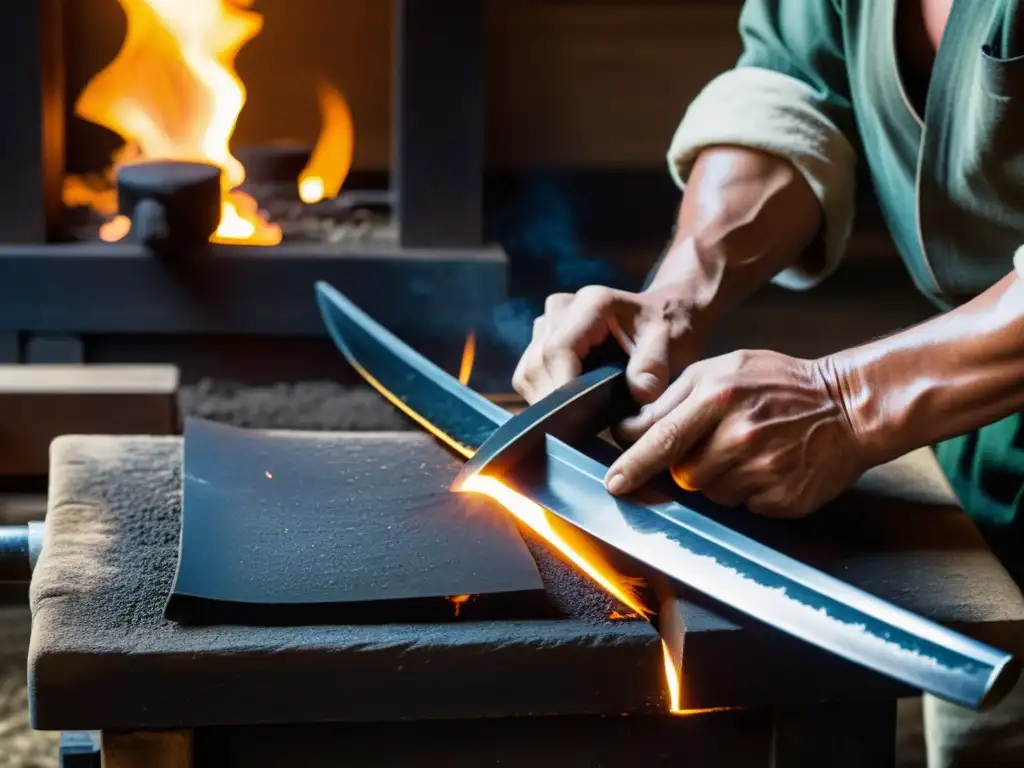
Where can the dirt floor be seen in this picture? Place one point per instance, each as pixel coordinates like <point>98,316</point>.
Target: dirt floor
<point>20,746</point>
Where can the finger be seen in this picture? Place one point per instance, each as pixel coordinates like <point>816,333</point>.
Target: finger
<point>556,304</point>
<point>732,489</point>
<point>705,464</point>
<point>662,445</point>
<point>521,377</point>
<point>647,373</point>
<point>581,327</point>
<point>560,367</point>
<point>632,428</point>
<point>530,377</point>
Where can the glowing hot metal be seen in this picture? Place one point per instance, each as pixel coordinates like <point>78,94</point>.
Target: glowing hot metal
<point>685,545</point>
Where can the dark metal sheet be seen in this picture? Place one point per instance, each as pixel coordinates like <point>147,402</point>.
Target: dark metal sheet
<point>290,528</point>
<point>677,540</point>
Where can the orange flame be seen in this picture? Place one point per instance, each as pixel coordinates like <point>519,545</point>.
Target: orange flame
<point>468,356</point>
<point>331,158</point>
<point>172,93</point>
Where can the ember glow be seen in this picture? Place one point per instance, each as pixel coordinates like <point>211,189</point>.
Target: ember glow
<point>458,601</point>
<point>545,524</point>
<point>672,681</point>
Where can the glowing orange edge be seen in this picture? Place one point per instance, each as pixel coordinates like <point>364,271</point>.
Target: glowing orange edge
<point>671,676</point>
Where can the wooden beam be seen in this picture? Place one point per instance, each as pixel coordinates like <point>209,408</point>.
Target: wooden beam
<point>40,402</point>
<point>147,749</point>
<point>439,123</point>
<point>32,131</point>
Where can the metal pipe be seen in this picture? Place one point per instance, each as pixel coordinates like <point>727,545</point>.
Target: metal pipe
<point>20,546</point>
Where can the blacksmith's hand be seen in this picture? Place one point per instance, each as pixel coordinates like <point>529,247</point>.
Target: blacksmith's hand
<point>752,428</point>
<point>658,329</point>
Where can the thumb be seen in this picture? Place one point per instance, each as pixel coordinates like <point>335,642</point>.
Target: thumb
<point>648,371</point>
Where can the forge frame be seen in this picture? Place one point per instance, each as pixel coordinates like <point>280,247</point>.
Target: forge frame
<point>439,279</point>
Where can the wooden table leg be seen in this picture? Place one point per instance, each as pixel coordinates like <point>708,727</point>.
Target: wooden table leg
<point>837,735</point>
<point>146,749</point>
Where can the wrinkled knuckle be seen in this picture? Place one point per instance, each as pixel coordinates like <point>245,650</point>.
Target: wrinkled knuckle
<point>596,296</point>
<point>519,383</point>
<point>551,351</point>
<point>726,392</point>
<point>665,435</point>
<point>556,301</point>
<point>521,377</point>
<point>735,361</point>
<point>743,435</point>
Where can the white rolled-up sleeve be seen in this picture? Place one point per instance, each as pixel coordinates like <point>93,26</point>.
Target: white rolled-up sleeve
<point>775,113</point>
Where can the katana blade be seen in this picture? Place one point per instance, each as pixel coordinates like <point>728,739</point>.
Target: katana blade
<point>670,537</point>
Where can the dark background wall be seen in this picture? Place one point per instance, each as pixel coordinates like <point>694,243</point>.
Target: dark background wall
<point>570,83</point>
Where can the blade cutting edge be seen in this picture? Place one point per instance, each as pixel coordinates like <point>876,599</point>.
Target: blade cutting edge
<point>677,540</point>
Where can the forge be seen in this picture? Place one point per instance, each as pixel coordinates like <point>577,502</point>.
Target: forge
<point>79,259</point>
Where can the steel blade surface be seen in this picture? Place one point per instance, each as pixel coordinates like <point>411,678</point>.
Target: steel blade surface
<point>763,583</point>
<point>585,406</point>
<point>676,540</point>
<point>429,395</point>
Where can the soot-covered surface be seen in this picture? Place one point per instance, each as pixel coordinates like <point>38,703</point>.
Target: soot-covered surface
<point>296,528</point>
<point>304,405</point>
<point>109,560</point>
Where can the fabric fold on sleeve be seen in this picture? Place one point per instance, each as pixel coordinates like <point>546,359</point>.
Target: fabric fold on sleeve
<point>1018,262</point>
<point>775,113</point>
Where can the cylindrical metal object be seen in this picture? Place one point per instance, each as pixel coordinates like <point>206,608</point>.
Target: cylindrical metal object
<point>15,553</point>
<point>35,542</point>
<point>171,203</point>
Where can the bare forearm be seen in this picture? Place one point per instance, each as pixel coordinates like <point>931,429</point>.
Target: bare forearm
<point>746,216</point>
<point>943,378</point>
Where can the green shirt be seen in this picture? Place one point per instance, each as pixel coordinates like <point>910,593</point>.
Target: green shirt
<point>950,182</point>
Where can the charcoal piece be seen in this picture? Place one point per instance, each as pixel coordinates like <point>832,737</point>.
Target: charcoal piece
<point>291,528</point>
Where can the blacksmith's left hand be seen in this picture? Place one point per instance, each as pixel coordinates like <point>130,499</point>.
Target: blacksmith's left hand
<point>753,428</point>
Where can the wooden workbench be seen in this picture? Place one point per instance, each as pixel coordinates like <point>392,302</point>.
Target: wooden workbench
<point>537,692</point>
